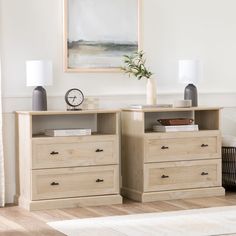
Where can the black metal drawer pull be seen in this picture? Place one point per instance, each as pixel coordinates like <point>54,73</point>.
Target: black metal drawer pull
<point>54,183</point>
<point>99,150</point>
<point>204,173</point>
<point>165,176</point>
<point>164,147</point>
<point>54,153</point>
<point>204,145</point>
<point>99,180</point>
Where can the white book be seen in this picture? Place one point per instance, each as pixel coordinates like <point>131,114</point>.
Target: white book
<point>174,128</point>
<point>67,132</point>
<point>141,106</point>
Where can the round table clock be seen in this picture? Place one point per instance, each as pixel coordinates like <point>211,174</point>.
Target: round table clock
<point>74,98</point>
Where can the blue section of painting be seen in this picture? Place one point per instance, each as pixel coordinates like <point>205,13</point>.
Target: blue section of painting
<point>91,54</point>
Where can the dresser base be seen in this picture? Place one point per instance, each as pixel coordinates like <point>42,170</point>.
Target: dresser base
<point>174,194</point>
<point>69,202</point>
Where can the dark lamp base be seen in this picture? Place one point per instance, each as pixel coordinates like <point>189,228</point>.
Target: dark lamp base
<point>190,93</point>
<point>39,99</point>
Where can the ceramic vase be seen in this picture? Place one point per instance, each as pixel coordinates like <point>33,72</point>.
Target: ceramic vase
<point>151,95</point>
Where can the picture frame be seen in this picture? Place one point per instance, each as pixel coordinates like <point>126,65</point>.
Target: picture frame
<point>95,40</point>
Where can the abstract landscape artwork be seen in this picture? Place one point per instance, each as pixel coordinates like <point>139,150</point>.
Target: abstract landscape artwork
<point>99,32</point>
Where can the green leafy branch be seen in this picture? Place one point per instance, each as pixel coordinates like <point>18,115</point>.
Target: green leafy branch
<point>135,65</point>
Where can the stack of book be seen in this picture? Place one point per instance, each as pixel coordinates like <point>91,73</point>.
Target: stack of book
<point>174,128</point>
<point>144,106</point>
<point>67,132</point>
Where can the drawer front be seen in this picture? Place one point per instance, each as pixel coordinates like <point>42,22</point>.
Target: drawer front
<point>182,175</point>
<point>74,182</point>
<point>186,147</point>
<point>66,152</point>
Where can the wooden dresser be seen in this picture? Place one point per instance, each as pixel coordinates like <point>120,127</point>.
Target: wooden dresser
<point>170,165</point>
<point>71,171</point>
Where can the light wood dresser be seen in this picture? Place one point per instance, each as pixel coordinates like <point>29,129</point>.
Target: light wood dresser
<point>170,165</point>
<point>71,171</point>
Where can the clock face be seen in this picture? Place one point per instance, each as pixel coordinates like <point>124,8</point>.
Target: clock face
<point>74,97</point>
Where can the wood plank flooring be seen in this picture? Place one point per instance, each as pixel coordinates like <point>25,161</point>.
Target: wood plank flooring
<point>18,222</point>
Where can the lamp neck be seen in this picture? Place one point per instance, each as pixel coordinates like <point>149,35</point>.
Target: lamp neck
<point>191,85</point>
<point>40,88</point>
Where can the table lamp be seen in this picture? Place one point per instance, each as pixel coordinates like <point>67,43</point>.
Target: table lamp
<point>39,74</point>
<point>189,74</point>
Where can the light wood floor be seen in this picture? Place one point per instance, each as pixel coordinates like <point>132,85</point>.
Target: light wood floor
<point>18,222</point>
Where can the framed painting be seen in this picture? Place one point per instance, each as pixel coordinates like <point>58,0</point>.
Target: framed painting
<point>97,33</point>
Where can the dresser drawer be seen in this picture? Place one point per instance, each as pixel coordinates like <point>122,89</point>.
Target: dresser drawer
<point>182,175</point>
<point>74,151</point>
<point>74,182</point>
<point>182,146</point>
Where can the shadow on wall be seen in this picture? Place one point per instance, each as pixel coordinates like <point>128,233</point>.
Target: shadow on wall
<point>228,121</point>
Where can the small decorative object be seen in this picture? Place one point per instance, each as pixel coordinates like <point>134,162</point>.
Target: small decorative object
<point>74,98</point>
<point>39,73</point>
<point>135,66</point>
<point>98,33</point>
<point>189,74</point>
<point>176,121</point>
<point>183,103</point>
<point>90,103</point>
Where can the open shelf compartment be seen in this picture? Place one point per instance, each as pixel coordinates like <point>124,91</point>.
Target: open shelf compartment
<point>205,119</point>
<point>99,123</point>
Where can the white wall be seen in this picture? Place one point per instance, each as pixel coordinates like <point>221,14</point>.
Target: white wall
<point>200,29</point>
<point>171,30</point>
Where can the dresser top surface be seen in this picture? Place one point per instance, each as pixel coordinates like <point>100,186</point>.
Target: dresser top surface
<point>171,109</point>
<point>64,112</point>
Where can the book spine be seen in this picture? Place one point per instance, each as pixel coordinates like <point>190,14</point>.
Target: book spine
<point>176,128</point>
<point>181,129</point>
<point>68,132</point>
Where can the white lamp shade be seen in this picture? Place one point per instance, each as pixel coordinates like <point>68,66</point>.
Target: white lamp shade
<point>188,71</point>
<point>39,73</point>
